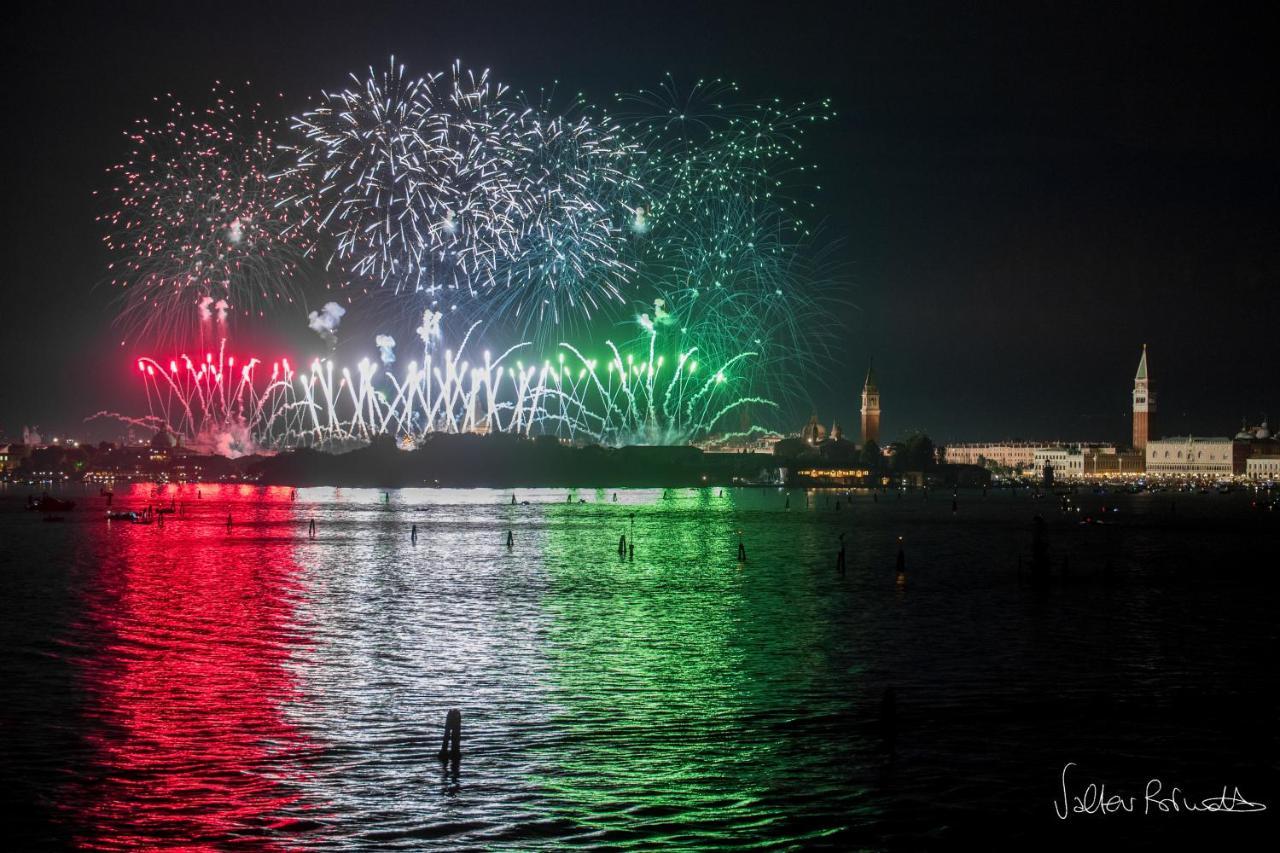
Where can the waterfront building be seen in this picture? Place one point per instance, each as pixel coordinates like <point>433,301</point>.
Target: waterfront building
<point>1108,461</point>
<point>1262,468</point>
<point>1066,462</point>
<point>1194,456</point>
<point>1068,458</point>
<point>1015,455</point>
<point>1021,455</point>
<point>11,455</point>
<point>870,407</point>
<point>1262,450</point>
<point>825,477</point>
<point>1144,405</point>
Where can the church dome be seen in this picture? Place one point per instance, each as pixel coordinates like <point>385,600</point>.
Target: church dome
<point>813,431</point>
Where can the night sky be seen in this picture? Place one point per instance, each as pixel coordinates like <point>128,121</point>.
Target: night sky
<point>1022,200</point>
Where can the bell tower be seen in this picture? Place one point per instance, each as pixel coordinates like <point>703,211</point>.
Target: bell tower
<point>870,407</point>
<point>1144,404</point>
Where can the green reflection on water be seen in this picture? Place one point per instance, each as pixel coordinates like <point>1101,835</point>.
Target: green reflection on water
<point>677,675</point>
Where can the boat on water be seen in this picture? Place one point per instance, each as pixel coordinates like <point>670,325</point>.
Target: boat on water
<point>45,503</point>
<point>122,515</point>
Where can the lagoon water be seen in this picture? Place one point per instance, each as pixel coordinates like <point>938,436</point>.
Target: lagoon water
<point>190,683</point>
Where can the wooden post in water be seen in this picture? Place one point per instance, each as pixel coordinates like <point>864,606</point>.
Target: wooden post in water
<point>451,746</point>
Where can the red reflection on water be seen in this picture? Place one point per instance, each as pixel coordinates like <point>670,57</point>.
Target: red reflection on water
<point>189,677</point>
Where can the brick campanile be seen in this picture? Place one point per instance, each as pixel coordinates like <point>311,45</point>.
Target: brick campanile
<point>1144,404</point>
<point>870,407</point>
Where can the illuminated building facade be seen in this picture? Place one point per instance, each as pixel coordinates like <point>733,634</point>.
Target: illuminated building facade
<point>1000,454</point>
<point>1067,462</point>
<point>1192,456</point>
<point>1262,468</point>
<point>1108,461</point>
<point>1253,452</point>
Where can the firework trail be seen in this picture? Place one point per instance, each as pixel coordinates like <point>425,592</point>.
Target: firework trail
<point>201,219</point>
<point>648,396</point>
<point>723,244</point>
<point>414,177</point>
<point>448,185</point>
<point>707,144</point>
<point>580,177</point>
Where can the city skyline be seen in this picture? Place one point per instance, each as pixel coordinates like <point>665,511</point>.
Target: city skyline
<point>1134,422</point>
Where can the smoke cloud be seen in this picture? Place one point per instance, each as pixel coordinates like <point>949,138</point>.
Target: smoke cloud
<point>210,310</point>
<point>429,331</point>
<point>325,322</point>
<point>386,348</point>
<point>233,440</point>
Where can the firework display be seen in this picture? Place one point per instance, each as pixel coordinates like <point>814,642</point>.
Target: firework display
<point>447,196</point>
<point>203,223</point>
<point>725,244</point>
<point>416,177</point>
<point>647,397</point>
<point>448,185</point>
<point>580,182</point>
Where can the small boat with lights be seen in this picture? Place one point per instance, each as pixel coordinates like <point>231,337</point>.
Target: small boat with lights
<point>45,503</point>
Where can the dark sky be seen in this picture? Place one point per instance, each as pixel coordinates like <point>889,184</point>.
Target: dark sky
<point>1024,198</point>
